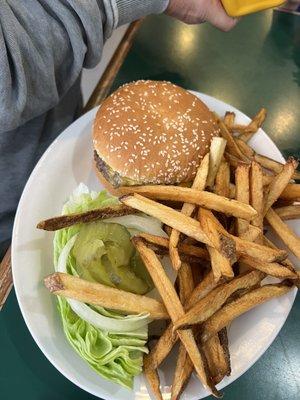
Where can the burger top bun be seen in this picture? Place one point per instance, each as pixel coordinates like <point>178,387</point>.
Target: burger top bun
<point>152,132</point>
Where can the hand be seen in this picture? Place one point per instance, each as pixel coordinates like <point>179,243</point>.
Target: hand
<point>198,11</point>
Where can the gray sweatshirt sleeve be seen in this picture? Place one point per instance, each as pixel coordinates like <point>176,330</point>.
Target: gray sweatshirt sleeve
<point>44,44</point>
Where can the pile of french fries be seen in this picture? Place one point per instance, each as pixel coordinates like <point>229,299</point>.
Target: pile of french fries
<point>218,247</point>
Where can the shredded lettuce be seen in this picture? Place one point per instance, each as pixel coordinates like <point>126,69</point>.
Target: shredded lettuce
<point>115,354</point>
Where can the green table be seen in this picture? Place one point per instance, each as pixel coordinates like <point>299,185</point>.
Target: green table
<point>258,64</point>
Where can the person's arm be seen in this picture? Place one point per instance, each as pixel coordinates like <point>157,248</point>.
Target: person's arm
<point>44,45</point>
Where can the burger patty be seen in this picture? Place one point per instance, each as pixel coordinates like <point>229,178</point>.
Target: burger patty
<point>113,177</point>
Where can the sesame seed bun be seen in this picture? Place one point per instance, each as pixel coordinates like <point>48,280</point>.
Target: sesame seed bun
<point>150,132</point>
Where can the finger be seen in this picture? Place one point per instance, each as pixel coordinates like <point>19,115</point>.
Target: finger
<point>217,16</point>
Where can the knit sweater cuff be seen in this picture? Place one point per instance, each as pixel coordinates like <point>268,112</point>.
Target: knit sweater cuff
<point>131,10</point>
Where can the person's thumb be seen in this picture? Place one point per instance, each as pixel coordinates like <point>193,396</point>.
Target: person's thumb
<point>217,16</point>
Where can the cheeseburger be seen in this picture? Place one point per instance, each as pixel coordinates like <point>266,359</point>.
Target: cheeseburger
<point>150,132</point>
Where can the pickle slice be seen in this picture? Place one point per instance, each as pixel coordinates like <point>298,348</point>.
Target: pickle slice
<point>105,254</point>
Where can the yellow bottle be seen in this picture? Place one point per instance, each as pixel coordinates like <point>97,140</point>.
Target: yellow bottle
<point>237,8</point>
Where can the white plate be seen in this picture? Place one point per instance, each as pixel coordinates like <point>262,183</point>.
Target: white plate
<point>66,163</point>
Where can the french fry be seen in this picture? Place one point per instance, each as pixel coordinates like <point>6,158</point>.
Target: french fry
<point>188,209</point>
<point>187,225</point>
<point>155,240</point>
<point>184,365</point>
<point>174,253</point>
<point>287,263</point>
<point>216,359</point>
<point>237,307</point>
<point>273,269</point>
<point>167,340</point>
<point>160,251</point>
<point>258,119</point>
<point>286,234</point>
<point>183,371</point>
<point>248,131</point>
<point>64,221</point>
<point>175,309</point>
<point>253,183</point>
<point>152,377</point>
<point>205,308</point>
<point>232,160</point>
<point>245,148</point>
<point>202,198</point>
<point>264,161</point>
<point>185,282</point>
<point>279,183</point>
<point>288,212</point>
<point>251,249</point>
<point>225,345</point>
<point>95,293</point>
<point>273,165</point>
<point>258,251</point>
<point>243,131</point>
<point>257,193</point>
<point>242,194</point>
<point>222,253</point>
<point>229,120</point>
<point>232,147</point>
<point>187,338</point>
<point>251,234</point>
<point>222,181</point>
<point>291,192</point>
<point>187,249</point>
<point>202,289</point>
<point>220,264</point>
<point>267,179</point>
<point>268,163</point>
<point>162,347</point>
<point>217,148</point>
